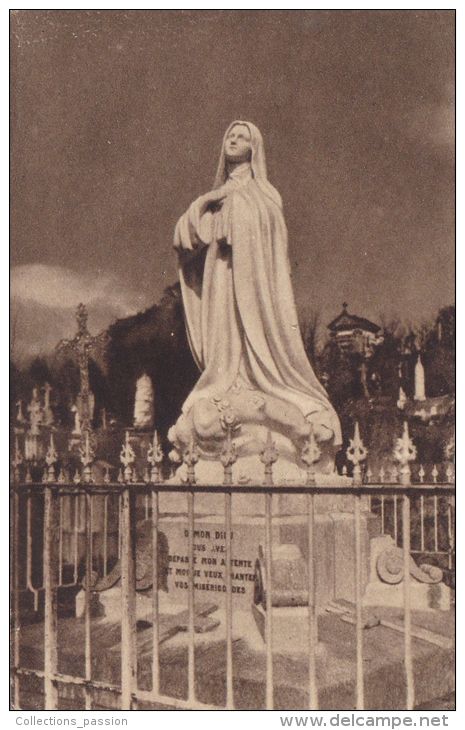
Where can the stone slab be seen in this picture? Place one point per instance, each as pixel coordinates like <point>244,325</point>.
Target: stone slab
<point>384,675</point>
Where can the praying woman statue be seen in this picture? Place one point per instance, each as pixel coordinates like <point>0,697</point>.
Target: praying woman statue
<point>241,317</point>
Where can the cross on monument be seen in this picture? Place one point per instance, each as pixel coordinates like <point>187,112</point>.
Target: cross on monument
<point>82,347</point>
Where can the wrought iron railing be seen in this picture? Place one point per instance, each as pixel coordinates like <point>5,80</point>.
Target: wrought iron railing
<point>54,488</point>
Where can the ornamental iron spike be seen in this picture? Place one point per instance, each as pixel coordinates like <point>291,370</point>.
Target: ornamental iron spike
<point>228,456</point>
<point>450,473</point>
<point>356,453</point>
<point>310,455</point>
<point>268,457</point>
<point>106,475</point>
<point>61,477</point>
<point>51,458</point>
<point>28,478</point>
<point>421,474</point>
<point>434,474</point>
<point>369,475</point>
<point>77,477</point>
<point>146,476</point>
<point>155,458</point>
<point>404,452</point>
<point>190,459</point>
<point>120,478</point>
<point>382,474</point>
<point>127,458</point>
<point>87,455</point>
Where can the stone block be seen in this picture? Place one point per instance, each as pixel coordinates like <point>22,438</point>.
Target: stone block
<point>385,586</point>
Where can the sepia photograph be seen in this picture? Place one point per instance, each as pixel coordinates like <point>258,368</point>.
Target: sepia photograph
<point>232,361</point>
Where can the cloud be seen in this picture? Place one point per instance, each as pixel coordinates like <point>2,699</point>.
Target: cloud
<point>433,124</point>
<point>44,299</point>
<point>61,288</point>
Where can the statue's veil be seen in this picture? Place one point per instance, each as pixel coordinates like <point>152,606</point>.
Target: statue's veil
<point>257,163</point>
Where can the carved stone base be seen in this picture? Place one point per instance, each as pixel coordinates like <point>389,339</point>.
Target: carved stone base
<point>250,416</point>
<point>385,587</point>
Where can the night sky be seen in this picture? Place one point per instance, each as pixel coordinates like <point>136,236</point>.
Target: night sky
<point>117,121</point>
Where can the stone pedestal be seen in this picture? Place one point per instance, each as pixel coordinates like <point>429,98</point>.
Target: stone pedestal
<point>334,543</point>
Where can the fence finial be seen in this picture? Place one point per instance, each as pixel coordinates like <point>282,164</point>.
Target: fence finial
<point>155,458</point>
<point>356,453</point>
<point>404,452</point>
<point>190,459</point>
<point>228,456</point>
<point>268,457</point>
<point>87,455</point>
<point>311,453</point>
<point>127,458</point>
<point>51,458</point>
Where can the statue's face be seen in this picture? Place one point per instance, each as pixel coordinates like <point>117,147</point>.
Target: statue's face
<point>237,146</point>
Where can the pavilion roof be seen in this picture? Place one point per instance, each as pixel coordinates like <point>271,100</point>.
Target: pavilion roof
<point>345,321</point>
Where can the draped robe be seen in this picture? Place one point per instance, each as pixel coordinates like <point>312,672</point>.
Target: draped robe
<point>238,301</point>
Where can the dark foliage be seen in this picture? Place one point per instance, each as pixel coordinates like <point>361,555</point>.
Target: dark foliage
<point>153,342</point>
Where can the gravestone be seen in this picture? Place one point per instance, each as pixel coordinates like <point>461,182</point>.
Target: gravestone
<point>143,405</point>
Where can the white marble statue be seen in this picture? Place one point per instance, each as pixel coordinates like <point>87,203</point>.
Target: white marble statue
<point>48,413</point>
<point>240,312</point>
<point>420,393</point>
<point>143,405</point>
<point>36,413</point>
<point>402,400</point>
<point>77,420</point>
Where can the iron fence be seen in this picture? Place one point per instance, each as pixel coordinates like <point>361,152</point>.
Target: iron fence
<point>393,501</point>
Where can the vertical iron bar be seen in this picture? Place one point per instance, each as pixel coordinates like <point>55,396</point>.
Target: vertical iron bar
<point>395,517</point>
<point>50,584</point>
<point>422,523</point>
<point>450,534</point>
<point>312,618</point>
<point>229,610</point>
<point>435,518</point>
<point>268,617</point>
<point>190,598</point>
<point>60,544</point>
<point>120,537</point>
<point>128,607</point>
<point>360,700</point>
<point>105,534</point>
<point>15,576</point>
<point>155,605</point>
<point>87,601</point>
<point>29,584</point>
<point>410,694</point>
<point>146,506</point>
<point>76,532</point>
<point>383,531</point>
